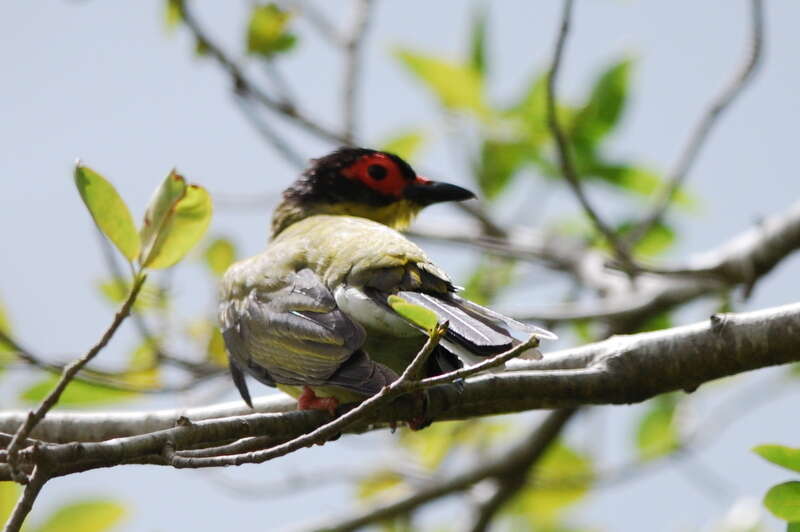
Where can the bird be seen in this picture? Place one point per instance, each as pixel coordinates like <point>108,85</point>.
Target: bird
<point>310,314</point>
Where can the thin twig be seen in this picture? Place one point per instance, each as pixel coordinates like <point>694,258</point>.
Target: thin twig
<point>562,143</point>
<point>326,431</point>
<point>708,120</point>
<point>352,68</point>
<point>66,377</point>
<point>24,504</point>
<point>266,131</point>
<point>247,87</point>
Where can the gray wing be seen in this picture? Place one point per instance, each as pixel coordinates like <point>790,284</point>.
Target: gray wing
<point>296,335</point>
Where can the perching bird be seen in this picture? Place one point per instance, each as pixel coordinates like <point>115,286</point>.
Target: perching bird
<point>310,313</point>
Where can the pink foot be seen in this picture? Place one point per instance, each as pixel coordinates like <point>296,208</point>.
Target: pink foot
<point>308,400</point>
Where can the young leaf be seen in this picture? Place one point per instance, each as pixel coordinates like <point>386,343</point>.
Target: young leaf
<point>219,254</point>
<point>379,483</point>
<point>163,203</point>
<point>477,41</point>
<point>531,110</point>
<point>778,454</point>
<point>86,516</point>
<point>78,393</point>
<point>266,32</point>
<point>783,500</point>
<point>602,111</point>
<point>458,86</point>
<point>416,314</point>
<point>182,227</point>
<point>116,291</point>
<point>108,210</point>
<point>406,145</point>
<point>173,14</point>
<point>656,434</point>
<point>499,163</point>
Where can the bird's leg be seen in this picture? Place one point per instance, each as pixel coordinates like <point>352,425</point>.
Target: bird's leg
<point>308,400</point>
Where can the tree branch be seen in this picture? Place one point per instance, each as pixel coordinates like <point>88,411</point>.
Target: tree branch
<point>26,500</point>
<point>352,69</point>
<point>706,124</point>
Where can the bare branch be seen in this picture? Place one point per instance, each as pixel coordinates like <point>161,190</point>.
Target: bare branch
<point>708,120</point>
<point>352,69</point>
<point>66,377</point>
<point>562,143</point>
<point>26,500</point>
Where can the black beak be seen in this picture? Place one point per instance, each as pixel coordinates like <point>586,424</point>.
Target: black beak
<point>426,192</point>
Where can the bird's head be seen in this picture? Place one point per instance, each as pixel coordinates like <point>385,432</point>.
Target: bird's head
<point>366,183</point>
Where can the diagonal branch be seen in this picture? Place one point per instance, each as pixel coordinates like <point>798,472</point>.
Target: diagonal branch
<point>562,143</point>
<point>352,69</point>
<point>708,120</point>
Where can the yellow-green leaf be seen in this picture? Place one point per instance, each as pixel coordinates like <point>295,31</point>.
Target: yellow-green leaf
<point>108,210</point>
<point>657,434</point>
<point>419,316</point>
<point>406,145</point>
<point>86,516</point>
<point>116,291</point>
<point>458,86</point>
<point>216,348</point>
<point>77,394</point>
<point>162,205</point>
<point>183,225</point>
<point>173,14</point>
<point>5,327</point>
<point>9,493</point>
<point>219,255</point>
<point>783,500</point>
<point>605,105</point>
<point>266,32</point>
<point>781,455</point>
<point>379,483</point>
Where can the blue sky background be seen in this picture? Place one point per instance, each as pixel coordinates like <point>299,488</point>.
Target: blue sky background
<point>105,82</point>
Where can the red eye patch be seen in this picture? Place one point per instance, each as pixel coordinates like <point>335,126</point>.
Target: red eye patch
<point>380,173</point>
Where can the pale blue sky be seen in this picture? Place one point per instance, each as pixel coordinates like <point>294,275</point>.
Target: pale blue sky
<point>103,81</point>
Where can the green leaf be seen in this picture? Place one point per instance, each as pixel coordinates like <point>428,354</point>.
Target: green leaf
<point>406,145</point>
<point>215,350</point>
<point>499,163</point>
<point>116,291</point>
<point>5,327</point>
<point>783,500</point>
<point>793,527</point>
<point>175,221</point>
<point>419,316</point>
<point>108,210</point>
<point>781,455</point>
<point>658,239</point>
<point>78,393</point>
<point>477,41</point>
<point>531,110</point>
<point>86,516</point>
<point>490,276</point>
<point>656,433</point>
<point>562,478</point>
<point>379,483</point>
<point>602,111</point>
<point>219,254</point>
<point>658,322</point>
<point>431,446</point>
<point>173,14</point>
<point>143,366</point>
<point>456,85</point>
<point>266,32</point>
<point>9,493</point>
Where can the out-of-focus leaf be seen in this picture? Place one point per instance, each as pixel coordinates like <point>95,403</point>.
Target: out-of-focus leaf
<point>658,322</point>
<point>416,314</point>
<point>5,327</point>
<point>457,86</point>
<point>143,367</point>
<point>9,493</point>
<point>219,254</point>
<point>200,48</point>
<point>563,477</point>
<point>656,432</point>
<point>531,110</point>
<point>379,483</point>
<point>267,31</point>
<point>477,40</point>
<point>490,276</point>
<point>601,113</point>
<point>406,145</point>
<point>635,179</point>
<point>658,239</point>
<point>108,210</point>
<point>793,527</point>
<point>216,348</point>
<point>435,443</point>
<point>783,500</point>
<point>583,331</point>
<point>781,455</point>
<point>499,162</point>
<point>173,14</point>
<point>116,291</point>
<point>77,394</point>
<point>86,516</point>
<point>175,221</point>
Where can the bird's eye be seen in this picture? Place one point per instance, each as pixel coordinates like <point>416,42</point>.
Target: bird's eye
<point>377,171</point>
